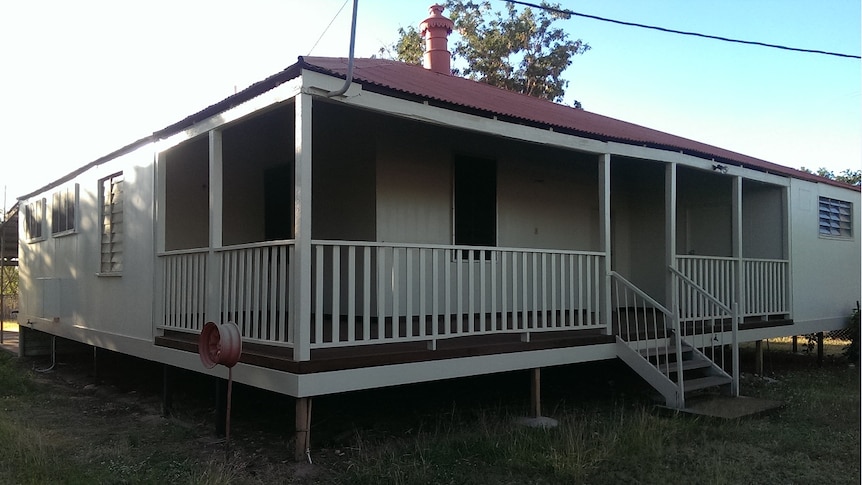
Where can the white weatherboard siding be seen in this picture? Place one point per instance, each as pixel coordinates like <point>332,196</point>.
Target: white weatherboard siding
<point>826,271</point>
<point>763,221</point>
<point>637,223</point>
<point>704,213</point>
<point>380,170</point>
<point>414,194</point>
<point>59,275</point>
<point>545,198</point>
<point>548,199</point>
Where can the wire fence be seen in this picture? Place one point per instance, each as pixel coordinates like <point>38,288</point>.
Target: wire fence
<point>842,334</point>
<point>10,304</point>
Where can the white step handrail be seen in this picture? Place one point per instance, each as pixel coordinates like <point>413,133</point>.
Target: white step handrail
<point>671,316</point>
<point>640,293</point>
<point>732,310</point>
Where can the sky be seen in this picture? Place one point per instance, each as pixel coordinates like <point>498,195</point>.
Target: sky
<point>82,79</point>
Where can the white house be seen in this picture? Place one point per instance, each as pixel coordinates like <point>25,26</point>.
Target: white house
<point>420,226</point>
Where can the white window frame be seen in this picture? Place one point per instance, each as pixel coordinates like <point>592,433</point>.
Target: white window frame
<point>835,218</point>
<point>34,221</point>
<point>111,195</point>
<point>65,202</point>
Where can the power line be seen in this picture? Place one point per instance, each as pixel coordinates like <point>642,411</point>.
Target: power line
<point>682,32</point>
<point>327,27</point>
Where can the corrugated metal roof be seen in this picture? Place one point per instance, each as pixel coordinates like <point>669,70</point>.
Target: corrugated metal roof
<point>460,93</point>
<point>405,80</point>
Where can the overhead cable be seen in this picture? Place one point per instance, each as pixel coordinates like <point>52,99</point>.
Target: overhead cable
<point>327,27</point>
<point>681,32</point>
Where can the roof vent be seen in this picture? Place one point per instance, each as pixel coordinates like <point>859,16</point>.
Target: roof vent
<point>435,30</point>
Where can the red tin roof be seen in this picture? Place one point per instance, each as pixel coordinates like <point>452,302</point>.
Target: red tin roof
<point>398,79</point>
<point>393,77</point>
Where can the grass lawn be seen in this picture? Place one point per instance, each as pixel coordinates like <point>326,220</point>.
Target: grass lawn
<point>70,426</point>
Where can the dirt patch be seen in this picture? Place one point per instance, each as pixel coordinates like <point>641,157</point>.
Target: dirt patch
<point>727,407</point>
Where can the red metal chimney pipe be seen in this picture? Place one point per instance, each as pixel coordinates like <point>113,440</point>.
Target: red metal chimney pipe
<point>435,30</point>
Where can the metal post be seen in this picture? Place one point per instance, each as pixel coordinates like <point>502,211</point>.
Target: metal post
<point>819,349</point>
<point>3,270</point>
<point>227,409</point>
<point>220,406</point>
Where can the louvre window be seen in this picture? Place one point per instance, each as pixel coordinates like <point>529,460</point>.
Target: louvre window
<point>836,218</point>
<point>111,192</point>
<point>64,206</point>
<point>34,216</point>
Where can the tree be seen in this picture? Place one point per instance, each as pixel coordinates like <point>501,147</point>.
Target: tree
<point>519,51</point>
<point>410,48</point>
<point>848,176</point>
<point>852,177</point>
<point>10,280</point>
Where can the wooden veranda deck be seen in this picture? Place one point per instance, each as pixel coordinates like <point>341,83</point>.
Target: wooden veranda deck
<point>342,358</point>
<point>393,353</point>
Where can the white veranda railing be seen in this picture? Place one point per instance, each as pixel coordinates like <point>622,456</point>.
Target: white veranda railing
<point>250,284</point>
<point>372,293</point>
<point>369,293</point>
<point>765,284</point>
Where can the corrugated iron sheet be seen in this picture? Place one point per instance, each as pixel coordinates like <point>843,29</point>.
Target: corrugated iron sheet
<point>461,93</point>
<point>405,80</point>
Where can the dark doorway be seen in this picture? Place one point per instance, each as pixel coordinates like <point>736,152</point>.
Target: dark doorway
<point>475,201</point>
<point>278,190</point>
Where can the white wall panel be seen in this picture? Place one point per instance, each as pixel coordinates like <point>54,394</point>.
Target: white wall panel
<point>826,271</point>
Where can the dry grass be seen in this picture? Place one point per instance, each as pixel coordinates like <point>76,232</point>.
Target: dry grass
<point>57,428</point>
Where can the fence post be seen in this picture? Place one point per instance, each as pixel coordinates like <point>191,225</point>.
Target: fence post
<point>2,273</point>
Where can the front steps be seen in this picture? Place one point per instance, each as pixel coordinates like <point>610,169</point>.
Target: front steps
<point>656,362</point>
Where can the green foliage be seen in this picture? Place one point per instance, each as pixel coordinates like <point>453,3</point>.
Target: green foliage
<point>410,48</point>
<point>10,280</point>
<point>852,177</point>
<point>520,51</point>
<point>13,381</point>
<point>848,176</point>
